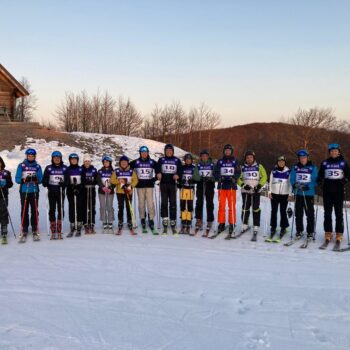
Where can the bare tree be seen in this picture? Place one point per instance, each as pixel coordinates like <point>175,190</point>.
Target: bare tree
<point>26,106</point>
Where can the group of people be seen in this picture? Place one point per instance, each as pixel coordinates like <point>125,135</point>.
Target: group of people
<point>82,183</point>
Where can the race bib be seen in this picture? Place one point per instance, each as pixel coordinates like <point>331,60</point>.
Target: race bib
<point>206,173</point>
<point>126,178</point>
<point>56,179</point>
<point>303,178</point>
<point>334,174</point>
<point>106,181</point>
<point>144,173</point>
<point>187,177</point>
<point>251,175</point>
<point>227,171</point>
<point>169,168</point>
<point>28,173</point>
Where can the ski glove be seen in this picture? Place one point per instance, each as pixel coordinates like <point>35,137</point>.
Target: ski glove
<point>106,190</point>
<point>257,188</point>
<point>247,187</point>
<point>127,189</point>
<point>2,183</point>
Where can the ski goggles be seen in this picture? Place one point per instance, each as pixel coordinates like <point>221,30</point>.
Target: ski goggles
<point>333,146</point>
<point>281,158</point>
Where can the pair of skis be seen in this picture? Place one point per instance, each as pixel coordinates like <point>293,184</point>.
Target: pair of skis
<point>234,235</point>
<point>336,247</point>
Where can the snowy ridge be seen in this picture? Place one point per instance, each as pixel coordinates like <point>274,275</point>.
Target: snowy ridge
<point>146,292</point>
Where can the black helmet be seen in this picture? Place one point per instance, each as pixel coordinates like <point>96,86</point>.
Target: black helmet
<point>228,146</point>
<point>249,152</point>
<point>204,151</point>
<point>188,156</point>
<point>168,146</point>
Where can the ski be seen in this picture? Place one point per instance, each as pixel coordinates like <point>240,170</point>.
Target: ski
<point>155,232</point>
<point>255,235</point>
<point>22,239</point>
<point>344,249</point>
<point>306,243</point>
<point>269,239</point>
<point>144,230</point>
<point>292,241</point>
<point>36,238</point>
<point>119,231</point>
<point>215,234</point>
<point>336,247</point>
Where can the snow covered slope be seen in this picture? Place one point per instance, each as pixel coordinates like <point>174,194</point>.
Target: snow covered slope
<point>148,292</point>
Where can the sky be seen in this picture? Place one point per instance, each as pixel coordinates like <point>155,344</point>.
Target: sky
<point>249,60</point>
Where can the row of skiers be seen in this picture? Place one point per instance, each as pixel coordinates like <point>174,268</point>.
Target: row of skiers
<point>79,183</point>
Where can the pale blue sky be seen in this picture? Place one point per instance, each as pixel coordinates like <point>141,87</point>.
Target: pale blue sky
<point>249,60</point>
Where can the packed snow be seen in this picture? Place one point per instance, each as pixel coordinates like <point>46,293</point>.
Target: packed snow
<point>150,292</point>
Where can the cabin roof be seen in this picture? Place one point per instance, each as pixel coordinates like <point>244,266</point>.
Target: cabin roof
<point>20,90</point>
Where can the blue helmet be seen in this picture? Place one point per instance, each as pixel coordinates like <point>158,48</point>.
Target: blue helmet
<point>30,152</point>
<point>73,156</point>
<point>123,158</point>
<point>143,149</point>
<point>333,146</point>
<point>56,154</point>
<point>107,158</point>
<point>302,153</point>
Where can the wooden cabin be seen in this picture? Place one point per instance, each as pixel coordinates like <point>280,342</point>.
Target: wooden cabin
<point>10,90</point>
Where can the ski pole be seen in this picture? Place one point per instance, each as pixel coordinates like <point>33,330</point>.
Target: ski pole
<point>7,209</point>
<point>62,204</point>
<point>47,212</point>
<point>346,217</point>
<point>87,205</point>
<point>133,219</point>
<point>293,216</point>
<point>315,223</point>
<point>75,206</point>
<point>134,207</point>
<point>24,208</point>
<point>36,211</point>
<point>244,206</point>
<point>159,207</point>
<point>106,205</point>
<point>91,209</point>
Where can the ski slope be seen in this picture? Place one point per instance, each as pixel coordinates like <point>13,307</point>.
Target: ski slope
<point>149,292</point>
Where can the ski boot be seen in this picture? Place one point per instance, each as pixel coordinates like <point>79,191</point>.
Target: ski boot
<point>165,227</point>
<point>131,229</point>
<point>53,228</point>
<point>255,233</point>
<point>72,230</point>
<point>173,227</point>
<point>87,229</point>
<point>198,226</point>
<point>3,234</point>
<point>105,227</point>
<point>231,229</point>
<point>80,226</point>
<point>120,228</point>
<point>207,230</point>
<point>23,236</point>
<point>143,225</point>
<point>183,227</point>
<point>36,235</point>
<point>151,226</point>
<point>338,238</point>
<point>188,228</point>
<point>298,235</point>
<point>272,233</point>
<point>221,228</point>
<point>59,229</point>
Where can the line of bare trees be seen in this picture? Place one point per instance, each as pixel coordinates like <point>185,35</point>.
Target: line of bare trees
<point>102,113</point>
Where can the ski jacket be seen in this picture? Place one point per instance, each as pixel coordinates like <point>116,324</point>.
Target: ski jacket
<point>304,175</point>
<point>253,175</point>
<point>76,179</point>
<point>54,176</point>
<point>104,176</point>
<point>186,180</point>
<point>145,170</point>
<point>90,175</point>
<point>168,167</point>
<point>227,172</point>
<point>25,169</point>
<point>5,182</point>
<point>128,175</point>
<point>204,172</point>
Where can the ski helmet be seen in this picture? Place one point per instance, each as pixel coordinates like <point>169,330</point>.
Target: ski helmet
<point>56,154</point>
<point>302,153</point>
<point>188,156</point>
<point>333,146</point>
<point>282,157</point>
<point>123,158</point>
<point>30,152</point>
<point>168,146</point>
<point>73,156</point>
<point>204,151</point>
<point>249,152</point>
<point>107,158</point>
<point>228,146</point>
<point>143,149</point>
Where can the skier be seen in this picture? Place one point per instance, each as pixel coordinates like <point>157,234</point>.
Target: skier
<point>55,179</point>
<point>169,171</point>
<point>5,184</point>
<point>75,195</point>
<point>253,178</point>
<point>106,193</point>
<point>29,176</point>
<point>227,173</point>
<point>203,176</point>
<point>279,192</point>
<point>186,186</point>
<point>145,167</point>
<point>89,195</point>
<point>125,180</point>
<point>303,179</point>
<point>333,175</point>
